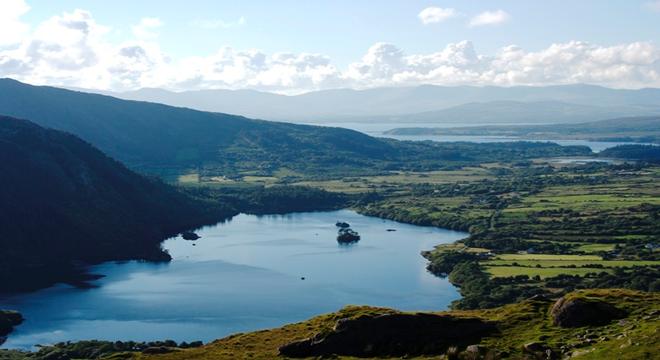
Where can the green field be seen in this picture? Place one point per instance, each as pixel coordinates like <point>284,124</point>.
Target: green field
<point>547,257</point>
<point>549,265</point>
<point>595,247</point>
<point>507,271</point>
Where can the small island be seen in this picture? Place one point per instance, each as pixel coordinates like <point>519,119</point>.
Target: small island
<point>342,225</point>
<point>347,236</point>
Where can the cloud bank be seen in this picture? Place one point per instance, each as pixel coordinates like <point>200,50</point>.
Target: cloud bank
<point>71,50</point>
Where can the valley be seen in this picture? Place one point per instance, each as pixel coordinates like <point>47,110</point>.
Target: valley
<point>482,226</point>
<point>280,180</point>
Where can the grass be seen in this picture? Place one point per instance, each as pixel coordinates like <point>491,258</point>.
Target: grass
<point>549,265</point>
<point>589,248</point>
<point>567,263</point>
<point>548,257</point>
<point>508,271</point>
<point>396,179</point>
<point>458,246</point>
<point>635,337</point>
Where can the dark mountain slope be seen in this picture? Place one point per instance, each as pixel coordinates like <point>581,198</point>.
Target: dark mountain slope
<point>158,138</point>
<point>144,134</point>
<point>62,201</point>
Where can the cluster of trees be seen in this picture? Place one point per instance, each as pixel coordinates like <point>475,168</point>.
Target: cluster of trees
<point>648,153</point>
<point>258,199</point>
<point>646,278</point>
<point>479,291</point>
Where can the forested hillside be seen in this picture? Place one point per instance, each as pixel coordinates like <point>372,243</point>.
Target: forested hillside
<point>63,201</point>
<point>157,138</point>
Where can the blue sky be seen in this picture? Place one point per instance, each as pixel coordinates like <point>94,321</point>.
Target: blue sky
<point>344,31</point>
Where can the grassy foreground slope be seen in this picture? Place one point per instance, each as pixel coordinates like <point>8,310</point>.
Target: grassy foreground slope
<point>634,337</point>
<point>526,330</point>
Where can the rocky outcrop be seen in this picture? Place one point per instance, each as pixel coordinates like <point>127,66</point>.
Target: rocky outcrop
<point>577,312</point>
<point>392,335</point>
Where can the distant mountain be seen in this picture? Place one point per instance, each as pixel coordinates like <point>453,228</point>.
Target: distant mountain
<point>156,138</point>
<point>391,104</point>
<point>63,201</point>
<point>516,112</point>
<point>148,135</point>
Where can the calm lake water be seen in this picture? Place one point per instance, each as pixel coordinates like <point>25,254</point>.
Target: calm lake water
<point>379,129</point>
<point>243,275</point>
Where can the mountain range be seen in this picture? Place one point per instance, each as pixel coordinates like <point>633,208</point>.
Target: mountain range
<point>427,103</point>
<point>158,138</point>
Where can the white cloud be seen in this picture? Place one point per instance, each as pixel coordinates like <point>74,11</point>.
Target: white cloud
<point>653,5</point>
<point>146,28</point>
<point>12,30</point>
<point>627,65</point>
<point>71,49</point>
<point>219,24</point>
<point>432,15</point>
<point>490,18</point>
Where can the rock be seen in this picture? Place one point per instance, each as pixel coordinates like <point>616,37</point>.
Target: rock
<point>391,230</point>
<point>476,350</point>
<point>534,347</point>
<point>9,320</point>
<point>539,350</point>
<point>189,235</point>
<point>392,335</point>
<point>577,312</point>
<point>343,225</point>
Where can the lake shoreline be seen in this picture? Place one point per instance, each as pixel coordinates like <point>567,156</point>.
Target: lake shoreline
<point>378,225</point>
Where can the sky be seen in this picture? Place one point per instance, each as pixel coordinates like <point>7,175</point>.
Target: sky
<point>298,46</point>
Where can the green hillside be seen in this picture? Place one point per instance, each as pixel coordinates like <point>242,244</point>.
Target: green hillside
<point>63,201</point>
<point>164,139</point>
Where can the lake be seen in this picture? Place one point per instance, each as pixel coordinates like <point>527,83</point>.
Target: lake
<point>242,275</point>
<point>379,129</point>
